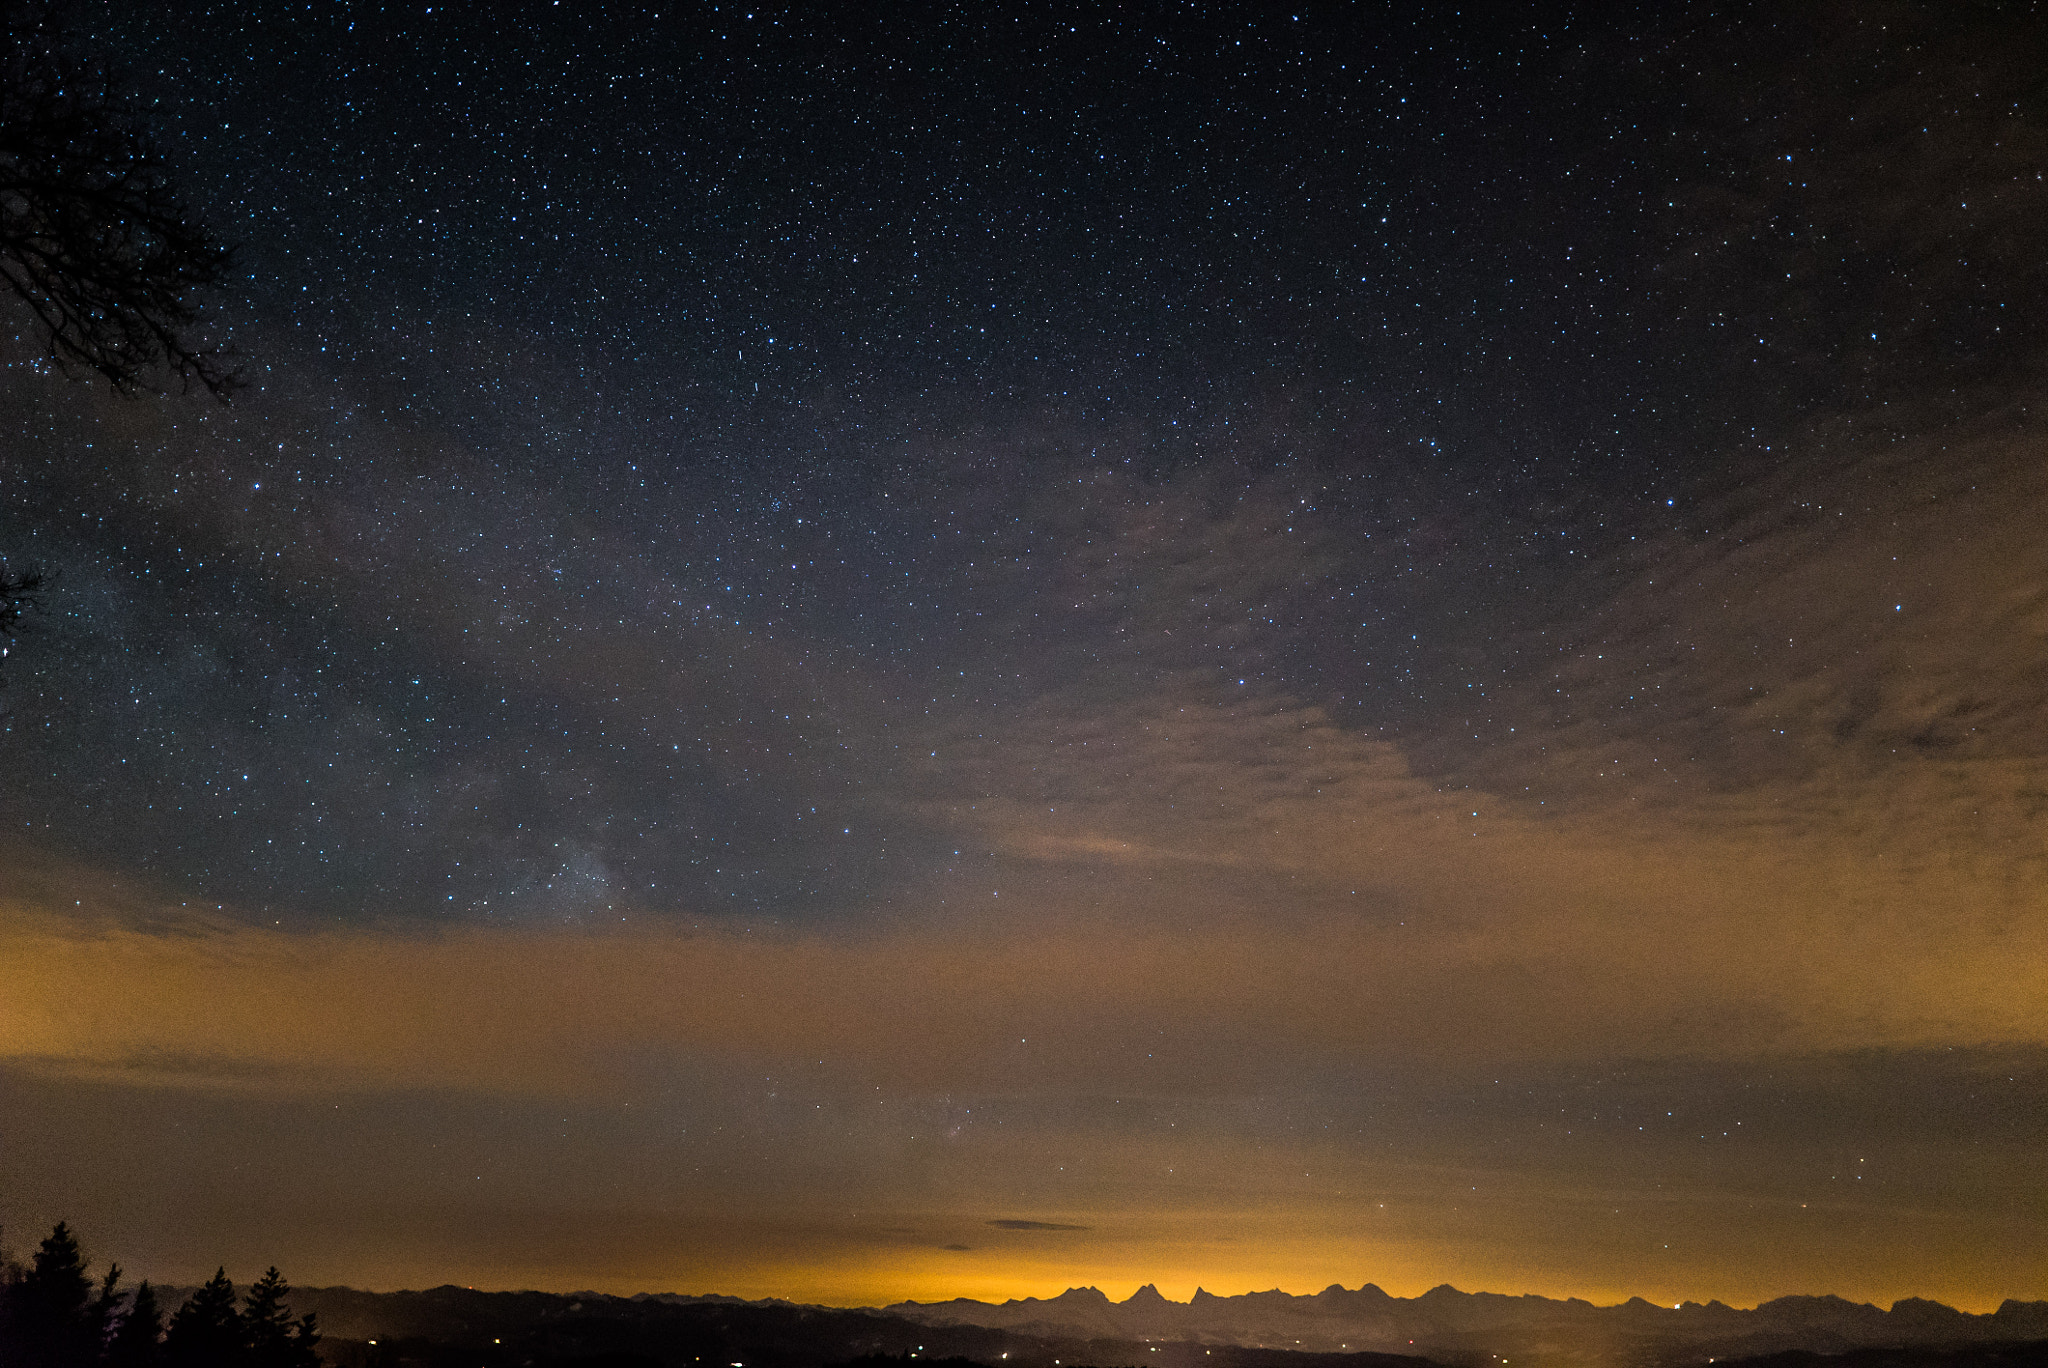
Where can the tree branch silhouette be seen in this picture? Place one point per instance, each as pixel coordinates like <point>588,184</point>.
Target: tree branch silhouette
<point>17,595</point>
<point>94,240</point>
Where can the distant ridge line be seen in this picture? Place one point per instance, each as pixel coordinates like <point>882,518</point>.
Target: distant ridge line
<point>1445,1320</point>
<point>1362,1328</point>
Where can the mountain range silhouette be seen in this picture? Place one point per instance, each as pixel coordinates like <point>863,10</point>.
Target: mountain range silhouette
<point>1449,1324</point>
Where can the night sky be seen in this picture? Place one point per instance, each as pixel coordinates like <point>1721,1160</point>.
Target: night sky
<point>892,650</point>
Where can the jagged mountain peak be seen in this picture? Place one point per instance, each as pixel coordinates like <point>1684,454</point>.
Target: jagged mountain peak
<point>1446,1322</point>
<point>1829,1301</point>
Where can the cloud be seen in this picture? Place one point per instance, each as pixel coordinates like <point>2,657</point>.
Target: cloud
<point>1036,1225</point>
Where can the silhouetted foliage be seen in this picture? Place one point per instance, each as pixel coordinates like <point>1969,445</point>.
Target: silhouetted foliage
<point>106,1307</point>
<point>57,1278</point>
<point>17,595</point>
<point>51,1318</point>
<point>137,1339</point>
<point>94,241</point>
<point>58,1322</point>
<point>207,1332</point>
<point>275,1339</point>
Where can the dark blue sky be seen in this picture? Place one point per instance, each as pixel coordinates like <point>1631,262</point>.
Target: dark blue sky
<point>567,325</point>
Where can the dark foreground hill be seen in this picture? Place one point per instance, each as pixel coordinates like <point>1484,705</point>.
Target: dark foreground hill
<point>452,1327</point>
<point>1483,1327</point>
<point>2033,1354</point>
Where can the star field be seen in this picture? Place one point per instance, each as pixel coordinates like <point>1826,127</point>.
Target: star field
<point>1267,568</point>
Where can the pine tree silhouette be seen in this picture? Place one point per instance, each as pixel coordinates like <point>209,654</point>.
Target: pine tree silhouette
<point>207,1332</point>
<point>137,1339</point>
<point>51,1322</point>
<point>275,1339</point>
<point>49,1318</point>
<point>105,1307</point>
